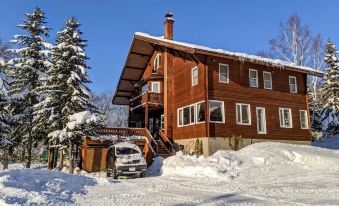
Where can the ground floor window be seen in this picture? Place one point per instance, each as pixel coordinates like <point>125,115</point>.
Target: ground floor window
<point>261,120</point>
<point>200,108</point>
<point>186,115</point>
<point>216,111</point>
<point>162,122</point>
<point>303,119</point>
<point>285,116</point>
<point>243,113</point>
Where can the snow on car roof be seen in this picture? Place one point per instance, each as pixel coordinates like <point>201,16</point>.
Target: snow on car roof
<point>128,145</point>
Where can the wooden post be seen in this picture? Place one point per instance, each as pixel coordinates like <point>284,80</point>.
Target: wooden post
<point>146,111</point>
<point>50,158</point>
<point>207,120</point>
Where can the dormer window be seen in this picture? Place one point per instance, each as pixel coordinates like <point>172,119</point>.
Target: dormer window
<point>157,62</point>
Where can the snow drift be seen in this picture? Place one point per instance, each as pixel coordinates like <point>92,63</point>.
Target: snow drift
<point>230,164</point>
<point>41,187</point>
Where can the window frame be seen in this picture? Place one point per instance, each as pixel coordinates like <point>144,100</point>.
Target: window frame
<point>152,86</point>
<point>196,112</point>
<point>192,76</point>
<point>265,124</point>
<point>283,118</point>
<point>306,119</point>
<point>249,113</point>
<point>289,84</point>
<point>162,121</point>
<point>222,111</point>
<point>228,73</point>
<point>157,62</point>
<point>182,116</point>
<point>257,77</point>
<point>263,76</point>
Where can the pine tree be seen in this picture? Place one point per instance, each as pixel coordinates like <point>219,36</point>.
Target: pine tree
<point>5,142</point>
<point>67,82</point>
<point>330,92</point>
<point>27,71</point>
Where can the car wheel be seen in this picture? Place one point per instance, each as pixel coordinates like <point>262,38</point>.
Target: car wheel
<point>143,174</point>
<point>114,173</point>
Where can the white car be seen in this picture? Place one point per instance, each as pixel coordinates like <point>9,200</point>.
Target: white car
<point>125,158</point>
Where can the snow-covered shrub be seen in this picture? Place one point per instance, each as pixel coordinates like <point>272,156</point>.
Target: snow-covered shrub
<point>235,142</point>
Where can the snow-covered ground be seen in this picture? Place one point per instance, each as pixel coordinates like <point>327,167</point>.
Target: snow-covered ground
<point>260,174</point>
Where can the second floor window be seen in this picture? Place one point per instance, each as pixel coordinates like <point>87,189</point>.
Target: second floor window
<point>144,88</point>
<point>267,76</point>
<point>156,87</point>
<point>157,62</point>
<point>223,73</point>
<point>194,76</point>
<point>253,75</point>
<point>293,84</point>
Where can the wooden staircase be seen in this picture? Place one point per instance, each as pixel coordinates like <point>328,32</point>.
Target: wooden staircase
<point>162,149</point>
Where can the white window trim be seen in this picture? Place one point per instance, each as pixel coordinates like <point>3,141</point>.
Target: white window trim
<point>182,108</point>
<point>290,111</point>
<point>249,113</point>
<point>222,112</point>
<point>156,66</point>
<point>265,72</point>
<point>306,119</point>
<point>249,77</point>
<point>265,126</point>
<point>192,77</point>
<point>152,86</point>
<point>196,112</point>
<point>289,84</point>
<point>228,73</point>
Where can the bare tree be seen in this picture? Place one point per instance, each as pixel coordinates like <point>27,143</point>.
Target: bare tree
<point>113,115</point>
<point>295,43</point>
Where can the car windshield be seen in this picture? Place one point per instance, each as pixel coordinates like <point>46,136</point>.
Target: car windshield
<point>126,151</point>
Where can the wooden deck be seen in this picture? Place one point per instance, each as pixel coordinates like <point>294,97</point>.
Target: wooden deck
<point>154,100</point>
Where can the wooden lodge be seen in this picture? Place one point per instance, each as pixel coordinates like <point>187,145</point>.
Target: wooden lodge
<point>180,92</point>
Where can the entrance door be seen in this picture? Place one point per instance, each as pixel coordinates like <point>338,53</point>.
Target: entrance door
<point>261,120</point>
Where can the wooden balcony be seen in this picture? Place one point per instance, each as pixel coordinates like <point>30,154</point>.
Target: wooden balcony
<point>149,99</point>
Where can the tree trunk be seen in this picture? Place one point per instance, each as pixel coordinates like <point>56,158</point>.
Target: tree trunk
<point>70,157</point>
<point>61,163</point>
<point>5,159</point>
<point>29,150</point>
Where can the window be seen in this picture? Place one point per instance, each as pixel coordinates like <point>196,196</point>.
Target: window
<point>293,84</point>
<point>303,119</point>
<point>261,120</point>
<point>267,80</point>
<point>223,73</point>
<point>200,108</point>
<point>162,122</point>
<point>216,111</point>
<point>144,88</point>
<point>253,74</point>
<point>285,116</point>
<point>194,76</point>
<point>186,115</point>
<point>243,112</point>
<point>157,62</point>
<point>156,87</point>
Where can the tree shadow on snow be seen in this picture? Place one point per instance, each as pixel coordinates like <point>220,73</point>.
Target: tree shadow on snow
<point>41,187</point>
<point>223,199</point>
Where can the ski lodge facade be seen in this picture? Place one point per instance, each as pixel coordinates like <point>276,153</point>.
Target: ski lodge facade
<point>179,92</point>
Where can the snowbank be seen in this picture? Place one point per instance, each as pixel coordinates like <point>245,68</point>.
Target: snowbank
<point>231,164</point>
<point>41,187</point>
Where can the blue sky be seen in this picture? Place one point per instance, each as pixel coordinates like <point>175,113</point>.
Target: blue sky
<point>243,26</point>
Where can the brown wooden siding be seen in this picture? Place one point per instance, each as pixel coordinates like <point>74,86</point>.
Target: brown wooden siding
<point>239,91</point>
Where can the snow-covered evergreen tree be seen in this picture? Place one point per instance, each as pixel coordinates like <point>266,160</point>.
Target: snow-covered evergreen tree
<point>5,142</point>
<point>330,92</point>
<point>27,71</point>
<point>69,102</point>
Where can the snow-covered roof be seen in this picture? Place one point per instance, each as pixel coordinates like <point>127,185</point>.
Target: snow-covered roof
<point>241,56</point>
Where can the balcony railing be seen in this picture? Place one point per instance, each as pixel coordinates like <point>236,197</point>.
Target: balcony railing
<point>153,99</point>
